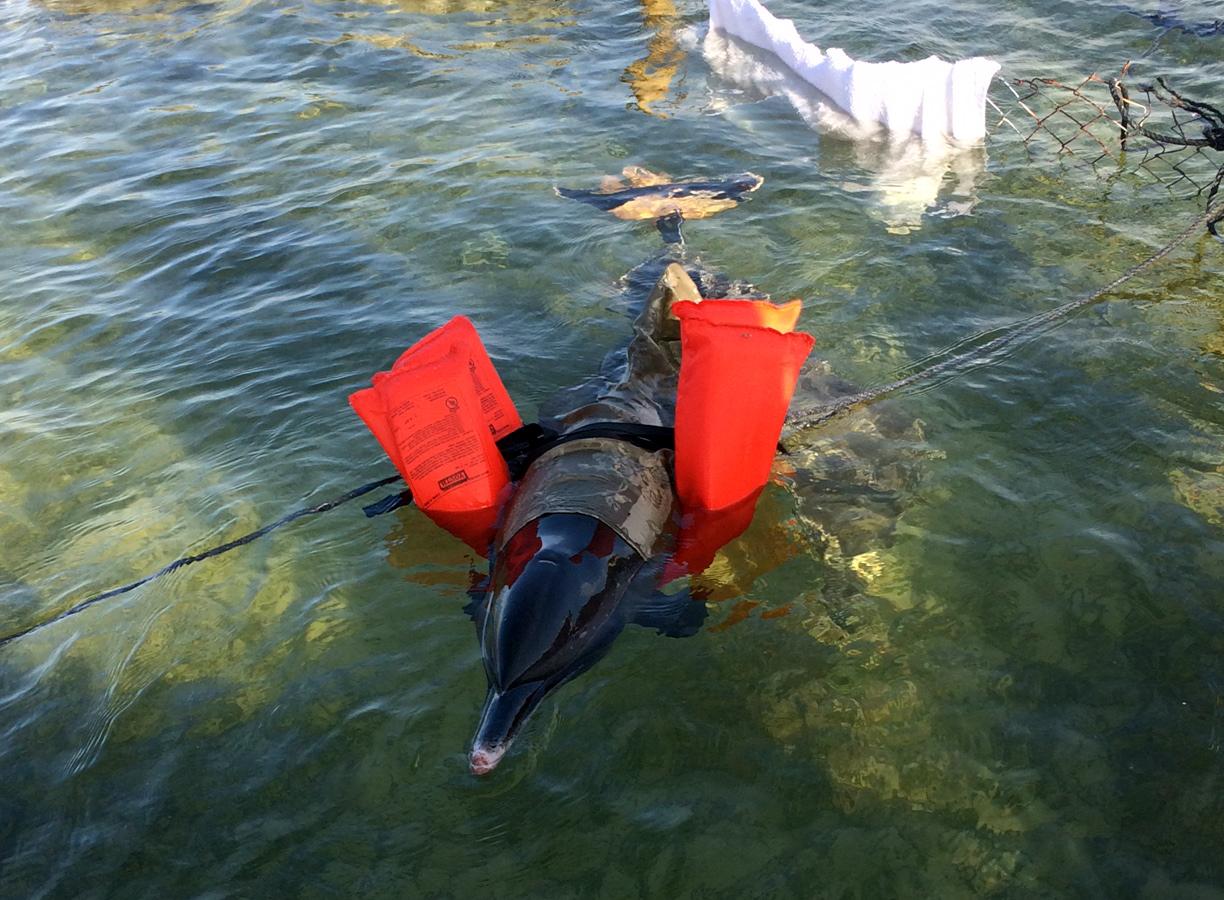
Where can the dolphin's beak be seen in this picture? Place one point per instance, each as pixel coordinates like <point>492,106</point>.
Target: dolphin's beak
<point>503,713</point>
<point>483,760</point>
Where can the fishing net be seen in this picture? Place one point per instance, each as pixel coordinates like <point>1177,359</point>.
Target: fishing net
<point>1117,123</point>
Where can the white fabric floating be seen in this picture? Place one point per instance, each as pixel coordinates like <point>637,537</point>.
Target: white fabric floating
<point>905,178</point>
<point>934,99</point>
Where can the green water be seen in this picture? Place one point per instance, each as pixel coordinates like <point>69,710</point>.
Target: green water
<point>972,645</point>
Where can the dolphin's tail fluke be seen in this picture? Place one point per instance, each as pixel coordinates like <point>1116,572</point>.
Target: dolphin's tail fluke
<point>644,195</point>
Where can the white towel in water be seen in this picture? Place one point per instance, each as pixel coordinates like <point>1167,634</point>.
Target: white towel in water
<point>905,177</point>
<point>933,98</point>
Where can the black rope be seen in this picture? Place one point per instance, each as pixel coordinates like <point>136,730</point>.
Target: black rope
<point>520,448</point>
<point>523,446</point>
<point>207,554</point>
<point>802,420</point>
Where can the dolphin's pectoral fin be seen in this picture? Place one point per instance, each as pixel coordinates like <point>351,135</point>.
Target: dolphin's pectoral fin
<point>673,615</point>
<point>472,609</point>
<point>477,594</point>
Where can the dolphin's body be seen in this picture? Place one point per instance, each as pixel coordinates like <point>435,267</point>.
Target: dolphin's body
<point>583,539</point>
<point>586,535</point>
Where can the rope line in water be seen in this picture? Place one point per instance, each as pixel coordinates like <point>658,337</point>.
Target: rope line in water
<point>207,554</point>
<point>798,421</point>
<point>802,420</point>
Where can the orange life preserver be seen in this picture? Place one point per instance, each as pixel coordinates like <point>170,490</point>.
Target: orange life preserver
<point>703,532</point>
<point>438,414</point>
<point>781,317</point>
<point>739,363</point>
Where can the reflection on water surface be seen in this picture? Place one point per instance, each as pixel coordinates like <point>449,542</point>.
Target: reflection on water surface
<point>650,78</point>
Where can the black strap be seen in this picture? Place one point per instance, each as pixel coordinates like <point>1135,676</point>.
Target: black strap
<point>523,446</point>
<point>323,507</point>
<point>520,448</point>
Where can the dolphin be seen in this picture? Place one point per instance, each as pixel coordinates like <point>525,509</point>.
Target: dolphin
<point>584,542</point>
<point>584,538</point>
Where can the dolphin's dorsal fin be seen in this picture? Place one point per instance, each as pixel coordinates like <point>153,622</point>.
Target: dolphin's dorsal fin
<point>679,285</point>
<point>656,320</point>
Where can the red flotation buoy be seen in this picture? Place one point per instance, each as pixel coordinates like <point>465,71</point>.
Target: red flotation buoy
<point>739,363</point>
<point>438,415</point>
<point>781,317</point>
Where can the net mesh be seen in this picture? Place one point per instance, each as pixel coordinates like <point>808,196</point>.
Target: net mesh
<point>1122,123</point>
